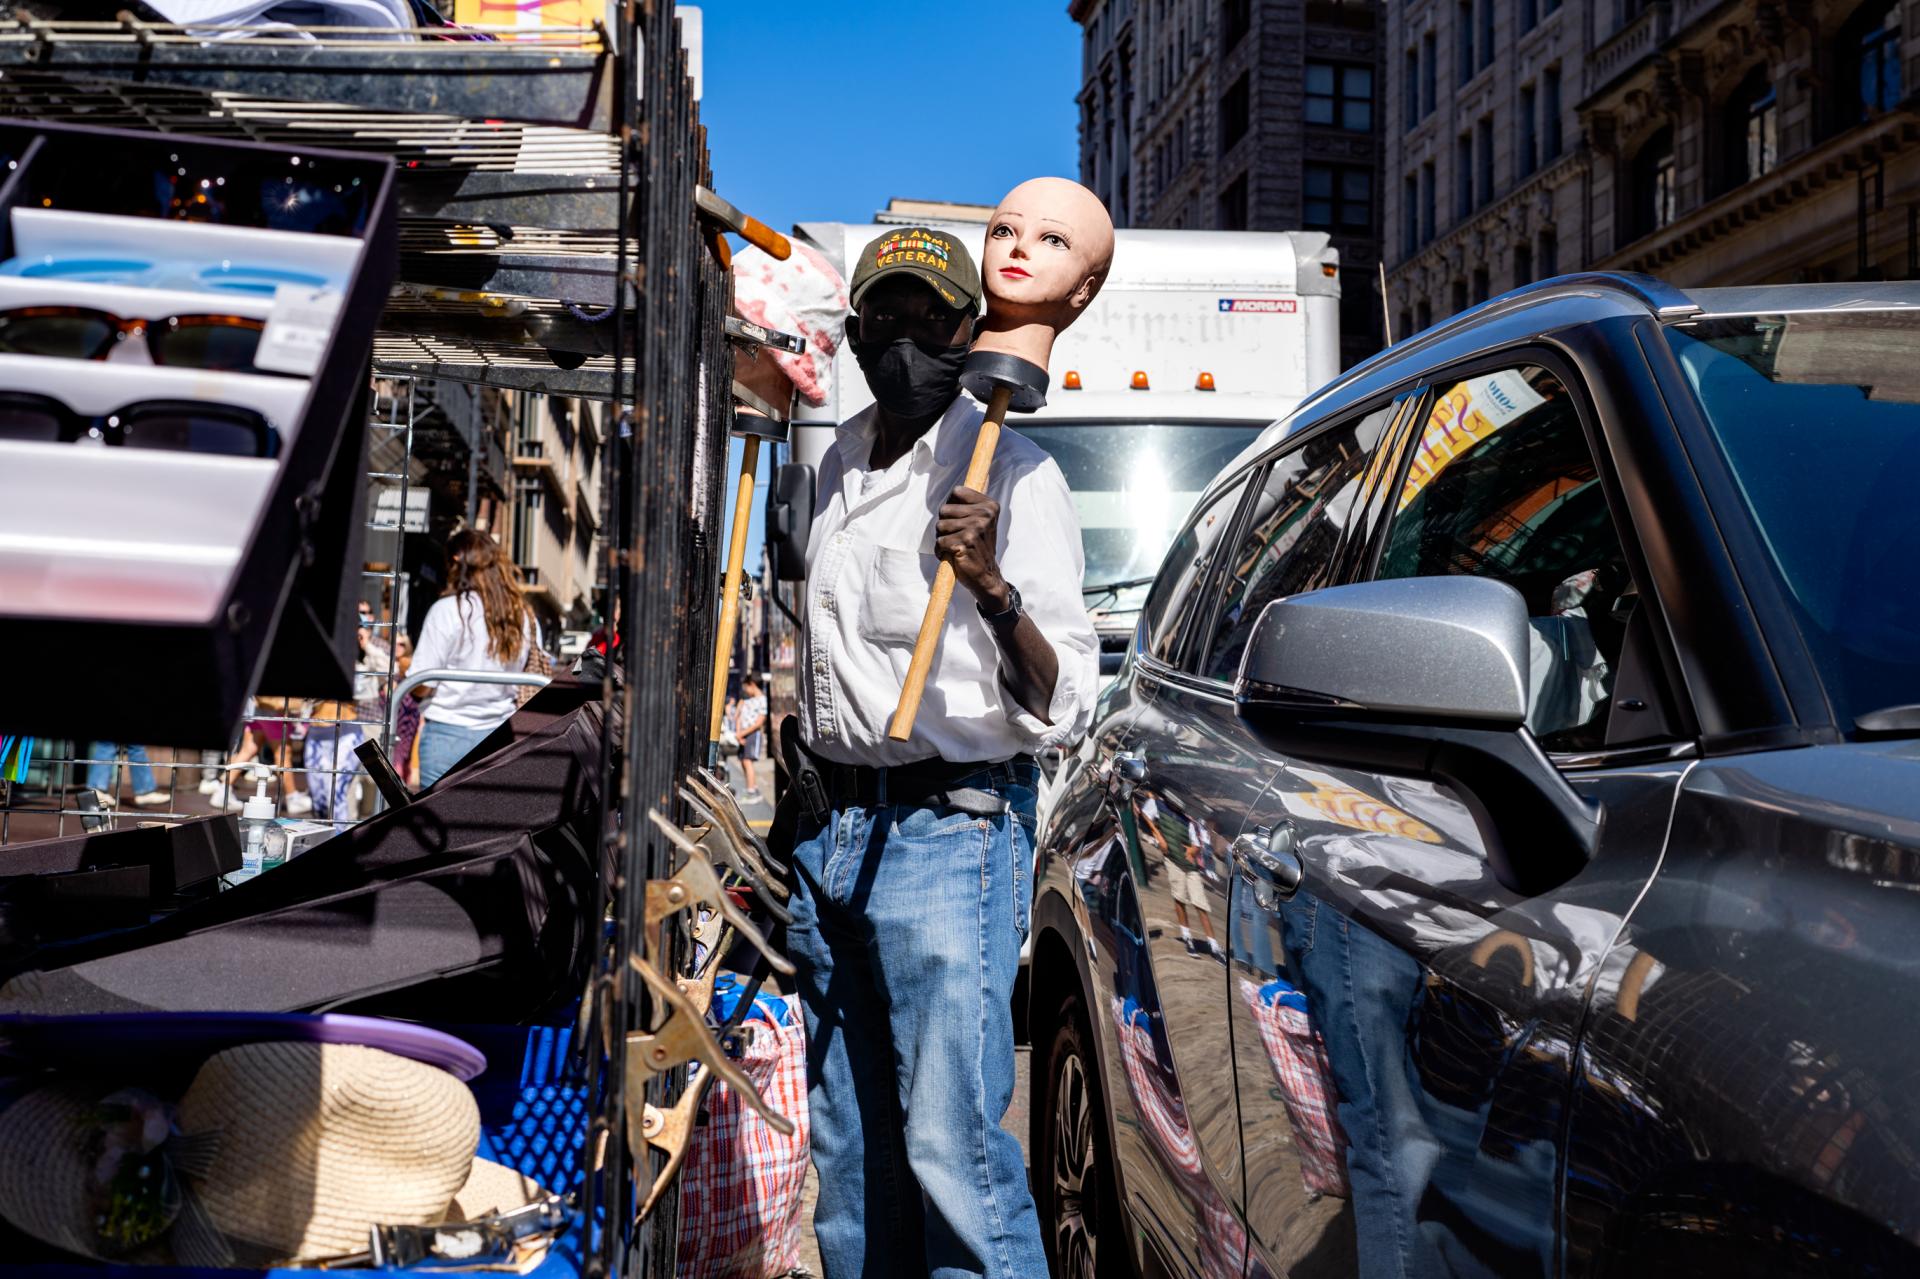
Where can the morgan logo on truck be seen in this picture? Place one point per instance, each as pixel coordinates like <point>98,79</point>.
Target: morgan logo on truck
<point>1266,306</point>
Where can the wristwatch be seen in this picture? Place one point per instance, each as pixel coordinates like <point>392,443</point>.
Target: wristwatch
<point>1007,616</point>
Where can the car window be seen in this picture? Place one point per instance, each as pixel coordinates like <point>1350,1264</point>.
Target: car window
<point>1502,483</point>
<point>1292,532</point>
<point>1176,590</point>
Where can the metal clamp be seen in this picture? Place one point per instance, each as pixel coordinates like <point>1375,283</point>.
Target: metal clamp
<point>696,884</point>
<point>683,1037</point>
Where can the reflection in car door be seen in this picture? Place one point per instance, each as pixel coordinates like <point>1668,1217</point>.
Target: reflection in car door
<point>1181,1164</point>
<point>1200,773</point>
<point>1443,1004</point>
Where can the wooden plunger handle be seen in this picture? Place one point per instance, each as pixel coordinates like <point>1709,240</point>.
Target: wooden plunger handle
<point>936,618</point>
<point>730,593</point>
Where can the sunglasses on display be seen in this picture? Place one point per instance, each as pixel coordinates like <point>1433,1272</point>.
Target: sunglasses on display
<point>225,342</point>
<point>226,277</point>
<point>178,426</point>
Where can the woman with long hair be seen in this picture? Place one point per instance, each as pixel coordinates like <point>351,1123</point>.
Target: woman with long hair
<point>481,622</point>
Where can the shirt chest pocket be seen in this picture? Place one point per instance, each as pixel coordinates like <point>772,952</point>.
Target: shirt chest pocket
<point>898,586</point>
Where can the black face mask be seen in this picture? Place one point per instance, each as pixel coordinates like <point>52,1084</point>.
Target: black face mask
<point>913,381</point>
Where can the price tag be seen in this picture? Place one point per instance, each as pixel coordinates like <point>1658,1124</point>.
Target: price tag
<point>297,329</point>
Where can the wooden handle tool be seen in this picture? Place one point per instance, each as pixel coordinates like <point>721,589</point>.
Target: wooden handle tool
<point>901,729</point>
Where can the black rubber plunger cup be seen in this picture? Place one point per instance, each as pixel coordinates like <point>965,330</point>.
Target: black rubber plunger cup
<point>1004,382</point>
<point>985,371</point>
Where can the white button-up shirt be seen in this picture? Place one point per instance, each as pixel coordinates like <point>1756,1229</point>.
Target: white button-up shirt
<point>870,569</point>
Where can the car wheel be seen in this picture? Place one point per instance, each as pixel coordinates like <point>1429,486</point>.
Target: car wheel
<point>1072,1167</point>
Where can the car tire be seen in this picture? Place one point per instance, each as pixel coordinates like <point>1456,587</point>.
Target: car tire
<point>1080,1218</point>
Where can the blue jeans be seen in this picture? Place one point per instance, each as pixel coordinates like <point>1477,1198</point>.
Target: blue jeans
<point>1364,993</point>
<point>100,776</point>
<point>444,745</point>
<point>907,930</point>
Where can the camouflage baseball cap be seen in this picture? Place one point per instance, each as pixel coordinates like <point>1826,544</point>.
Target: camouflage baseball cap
<point>934,256</point>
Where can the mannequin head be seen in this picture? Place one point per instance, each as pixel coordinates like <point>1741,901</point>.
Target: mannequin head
<point>1049,245</point>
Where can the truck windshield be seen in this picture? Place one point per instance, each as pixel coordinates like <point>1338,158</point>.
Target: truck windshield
<point>1818,415</point>
<point>1133,484</point>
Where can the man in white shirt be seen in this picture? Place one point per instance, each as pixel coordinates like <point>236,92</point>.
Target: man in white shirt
<point>912,859</point>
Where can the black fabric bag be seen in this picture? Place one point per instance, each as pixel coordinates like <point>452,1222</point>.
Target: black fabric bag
<point>472,902</point>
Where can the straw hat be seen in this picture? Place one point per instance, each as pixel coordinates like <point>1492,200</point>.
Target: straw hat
<point>290,1151</point>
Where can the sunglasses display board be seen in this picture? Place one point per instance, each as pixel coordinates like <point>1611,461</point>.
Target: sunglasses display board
<point>184,350</point>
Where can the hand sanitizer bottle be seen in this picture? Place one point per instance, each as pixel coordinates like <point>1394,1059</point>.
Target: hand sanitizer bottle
<point>255,817</point>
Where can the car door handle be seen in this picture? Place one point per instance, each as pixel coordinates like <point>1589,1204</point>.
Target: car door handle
<point>1122,773</point>
<point>1269,857</point>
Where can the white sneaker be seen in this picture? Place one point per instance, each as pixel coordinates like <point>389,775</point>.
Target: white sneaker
<point>152,799</point>
<point>104,800</point>
<point>299,803</point>
<point>209,786</point>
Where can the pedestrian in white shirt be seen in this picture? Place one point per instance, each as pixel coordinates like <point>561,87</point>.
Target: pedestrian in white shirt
<point>481,623</point>
<point>912,859</point>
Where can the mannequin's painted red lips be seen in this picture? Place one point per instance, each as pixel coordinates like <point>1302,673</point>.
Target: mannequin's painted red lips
<point>1015,273</point>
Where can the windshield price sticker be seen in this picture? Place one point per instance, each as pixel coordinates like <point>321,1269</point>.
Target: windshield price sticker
<point>1260,306</point>
<point>297,329</point>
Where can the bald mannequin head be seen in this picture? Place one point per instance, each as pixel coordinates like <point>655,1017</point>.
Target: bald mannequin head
<point>1049,246</point>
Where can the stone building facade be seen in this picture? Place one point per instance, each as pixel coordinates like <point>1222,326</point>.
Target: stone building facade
<point>1706,142</point>
<point>1259,115</point>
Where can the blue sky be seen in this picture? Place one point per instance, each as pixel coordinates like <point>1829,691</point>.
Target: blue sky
<point>823,110</point>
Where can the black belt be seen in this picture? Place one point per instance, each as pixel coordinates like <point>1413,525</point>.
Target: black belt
<point>919,783</point>
<point>865,785</point>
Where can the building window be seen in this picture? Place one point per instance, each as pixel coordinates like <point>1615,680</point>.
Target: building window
<point>1463,177</point>
<point>1549,6</point>
<point>1409,216</point>
<point>1459,296</point>
<point>1235,113</point>
<point>1429,203</point>
<point>1463,42</point>
<point>1876,53</point>
<point>1481,285</point>
<point>1403,327</point>
<point>1529,15</point>
<point>1339,95</point>
<point>1233,205</point>
<point>1339,198</point>
<point>1486,32</point>
<point>1652,192</point>
<point>1548,259</point>
<point>1550,116</point>
<point>1484,158</point>
<point>1410,94</point>
<point>1236,19</point>
<point>1527,158</point>
<point>1429,73</point>
<point>1522,264</point>
<point>1751,130</point>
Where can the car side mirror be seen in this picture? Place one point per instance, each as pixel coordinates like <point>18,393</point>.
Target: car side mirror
<point>1423,677</point>
<point>1432,648</point>
<point>790,520</point>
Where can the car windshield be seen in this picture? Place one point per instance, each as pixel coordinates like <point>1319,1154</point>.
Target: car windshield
<point>1133,485</point>
<point>1818,415</point>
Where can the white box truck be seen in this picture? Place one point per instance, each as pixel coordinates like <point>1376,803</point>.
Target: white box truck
<point>1198,340</point>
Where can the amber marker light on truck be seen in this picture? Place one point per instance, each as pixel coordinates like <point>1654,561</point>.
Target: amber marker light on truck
<point>1204,382</point>
<point>1072,381</point>
<point>1140,379</point>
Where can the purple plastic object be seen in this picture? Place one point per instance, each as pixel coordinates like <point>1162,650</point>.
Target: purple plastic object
<point>102,1037</point>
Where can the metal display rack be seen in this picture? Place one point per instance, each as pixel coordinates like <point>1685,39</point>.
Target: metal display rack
<point>549,244</point>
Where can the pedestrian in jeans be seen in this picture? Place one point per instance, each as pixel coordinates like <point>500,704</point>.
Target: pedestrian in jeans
<point>481,623</point>
<point>912,859</point>
<point>750,727</point>
<point>103,774</point>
